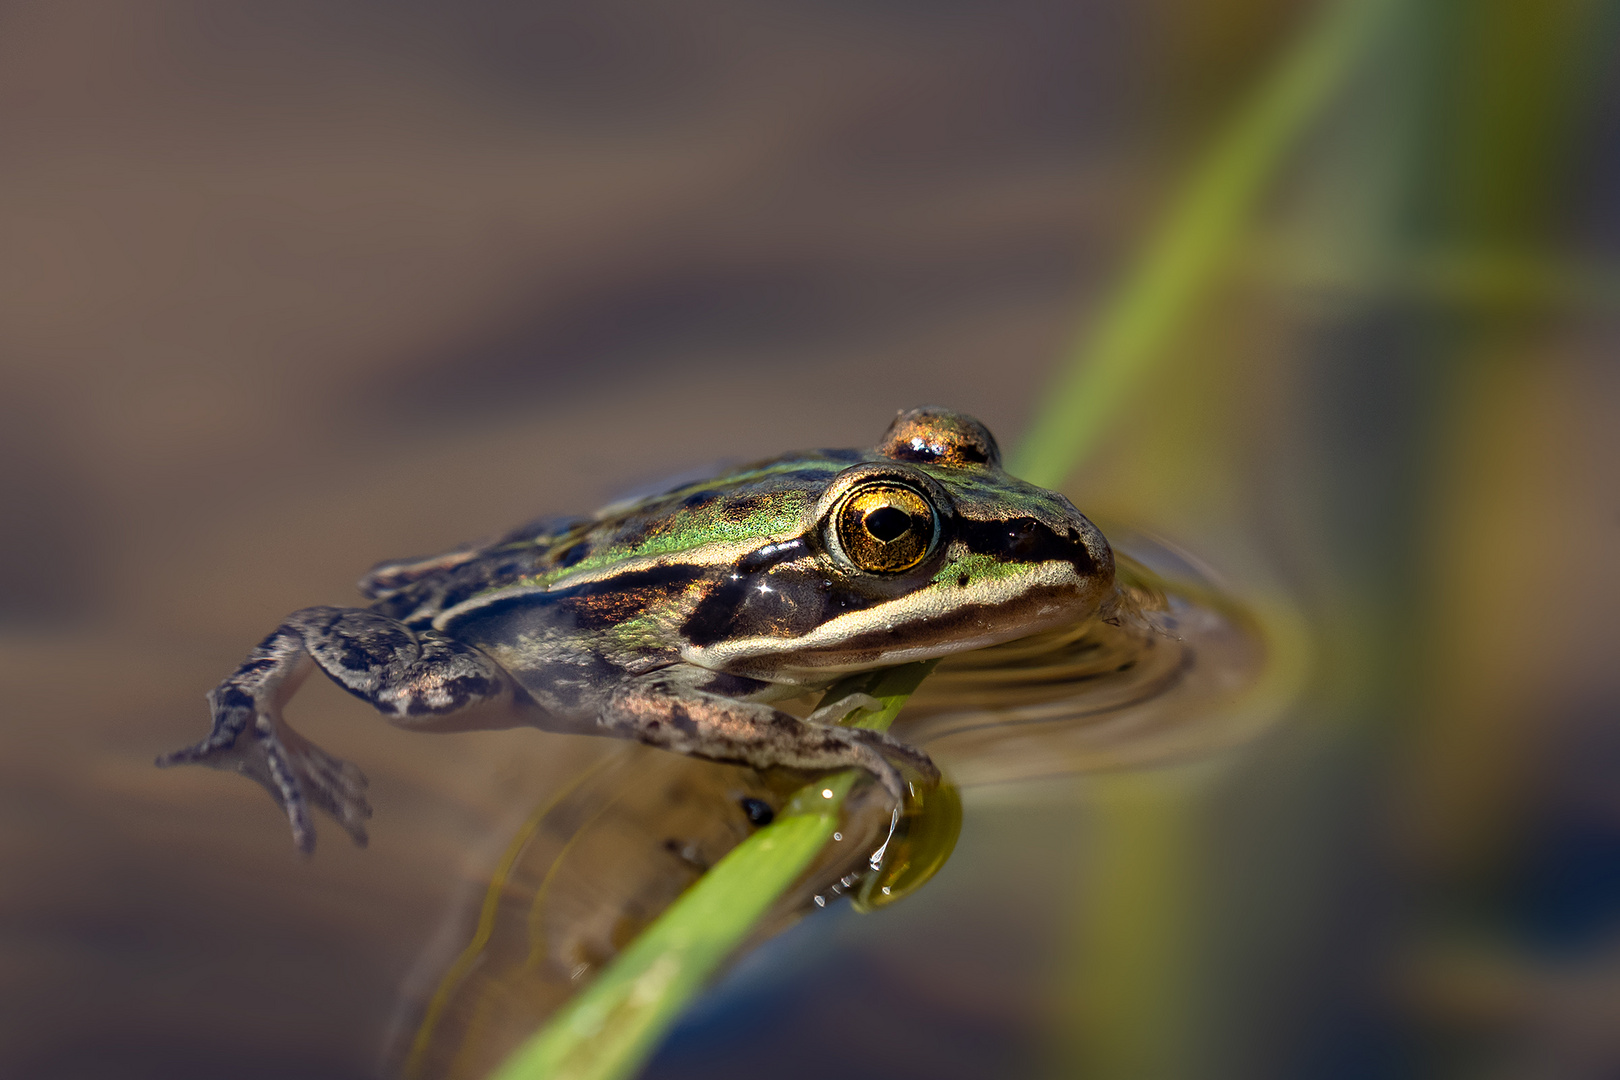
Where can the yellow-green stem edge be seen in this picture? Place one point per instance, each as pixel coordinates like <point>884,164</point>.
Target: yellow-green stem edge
<point>612,1026</point>
<point>1186,251</point>
<point>610,1029</point>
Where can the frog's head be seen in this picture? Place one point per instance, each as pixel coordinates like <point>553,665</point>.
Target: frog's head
<point>924,548</point>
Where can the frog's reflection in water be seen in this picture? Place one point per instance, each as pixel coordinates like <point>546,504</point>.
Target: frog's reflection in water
<point>1163,676</point>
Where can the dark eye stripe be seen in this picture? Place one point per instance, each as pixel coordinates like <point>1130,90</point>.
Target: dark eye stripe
<point>1024,539</point>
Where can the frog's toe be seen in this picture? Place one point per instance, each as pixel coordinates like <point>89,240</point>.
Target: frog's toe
<point>297,774</point>
<point>893,749</point>
<point>320,779</point>
<point>188,755</point>
<point>303,829</point>
<point>337,787</point>
<point>330,773</point>
<point>888,776</point>
<point>864,750</point>
<point>220,749</point>
<point>213,751</point>
<point>349,813</point>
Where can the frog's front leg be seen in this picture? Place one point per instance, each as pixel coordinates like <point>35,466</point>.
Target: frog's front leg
<point>664,709</point>
<point>416,678</point>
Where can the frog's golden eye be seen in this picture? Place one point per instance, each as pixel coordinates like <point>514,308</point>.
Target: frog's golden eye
<point>885,528</point>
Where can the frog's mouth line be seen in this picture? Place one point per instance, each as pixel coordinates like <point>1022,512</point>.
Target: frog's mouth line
<point>919,625</point>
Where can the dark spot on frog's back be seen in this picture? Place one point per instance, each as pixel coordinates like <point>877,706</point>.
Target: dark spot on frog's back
<point>727,507</point>
<point>700,498</point>
<point>806,478</point>
<point>740,510</point>
<point>498,569</point>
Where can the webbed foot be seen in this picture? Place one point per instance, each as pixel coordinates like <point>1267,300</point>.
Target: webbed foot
<point>295,772</point>
<point>892,749</point>
<point>415,677</point>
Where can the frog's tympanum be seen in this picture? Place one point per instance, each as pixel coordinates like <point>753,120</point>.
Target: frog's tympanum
<point>675,620</point>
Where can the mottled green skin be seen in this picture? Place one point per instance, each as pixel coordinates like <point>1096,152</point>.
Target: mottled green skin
<point>672,619</point>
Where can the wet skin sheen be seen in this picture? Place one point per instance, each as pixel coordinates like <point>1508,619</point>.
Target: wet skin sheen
<point>675,620</point>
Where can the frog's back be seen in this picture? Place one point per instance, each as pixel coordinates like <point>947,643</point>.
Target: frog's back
<point>762,501</point>
<point>738,506</point>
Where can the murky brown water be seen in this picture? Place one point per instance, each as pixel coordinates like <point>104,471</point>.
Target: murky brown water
<point>288,289</point>
<point>291,291</point>
<point>1174,672</point>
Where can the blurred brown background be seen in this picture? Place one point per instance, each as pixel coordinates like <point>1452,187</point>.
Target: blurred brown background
<point>288,289</point>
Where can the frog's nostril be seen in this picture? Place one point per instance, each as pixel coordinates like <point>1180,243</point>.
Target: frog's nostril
<point>887,523</point>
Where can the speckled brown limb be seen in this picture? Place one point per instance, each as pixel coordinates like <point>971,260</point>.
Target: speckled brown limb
<point>416,678</point>
<point>719,728</point>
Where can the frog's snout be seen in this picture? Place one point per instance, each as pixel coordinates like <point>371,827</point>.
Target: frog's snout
<point>1082,544</point>
<point>1092,554</point>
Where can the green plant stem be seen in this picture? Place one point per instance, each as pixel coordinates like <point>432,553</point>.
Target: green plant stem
<point>611,1027</point>
<point>614,1024</point>
<point>1180,259</point>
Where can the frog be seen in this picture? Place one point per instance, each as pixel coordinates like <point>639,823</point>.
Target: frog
<point>685,619</point>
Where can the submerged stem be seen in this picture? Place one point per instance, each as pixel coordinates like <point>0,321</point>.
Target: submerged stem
<point>610,1028</point>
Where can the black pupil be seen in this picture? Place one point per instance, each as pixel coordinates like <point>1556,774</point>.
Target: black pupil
<point>888,523</point>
